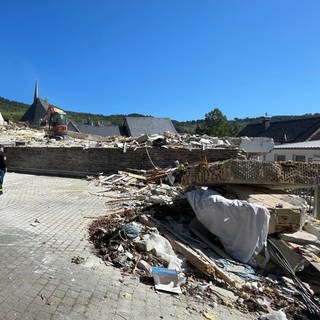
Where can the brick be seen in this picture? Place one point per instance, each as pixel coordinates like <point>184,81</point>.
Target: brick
<point>77,160</point>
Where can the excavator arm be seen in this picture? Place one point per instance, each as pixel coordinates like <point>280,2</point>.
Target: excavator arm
<point>56,122</point>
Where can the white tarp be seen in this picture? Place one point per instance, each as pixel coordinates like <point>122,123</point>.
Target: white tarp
<point>2,123</point>
<point>241,227</point>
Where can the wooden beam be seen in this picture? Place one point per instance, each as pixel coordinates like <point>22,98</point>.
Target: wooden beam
<point>133,175</point>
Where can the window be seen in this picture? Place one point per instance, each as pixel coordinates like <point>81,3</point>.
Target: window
<point>279,157</point>
<point>316,158</point>
<point>299,158</point>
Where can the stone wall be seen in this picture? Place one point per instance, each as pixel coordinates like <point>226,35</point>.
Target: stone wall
<point>76,161</point>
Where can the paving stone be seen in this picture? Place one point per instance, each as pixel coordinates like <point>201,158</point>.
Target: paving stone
<point>36,259</point>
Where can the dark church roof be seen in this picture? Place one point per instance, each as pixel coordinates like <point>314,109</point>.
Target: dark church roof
<point>36,111</point>
<point>148,125</point>
<point>283,131</point>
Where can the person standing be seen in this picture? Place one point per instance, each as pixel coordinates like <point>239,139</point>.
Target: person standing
<point>3,166</point>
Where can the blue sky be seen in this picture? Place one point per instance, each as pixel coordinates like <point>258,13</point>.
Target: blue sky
<point>166,58</point>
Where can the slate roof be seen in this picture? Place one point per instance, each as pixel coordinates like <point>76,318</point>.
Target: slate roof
<point>104,131</point>
<point>35,112</point>
<point>148,125</point>
<point>72,126</point>
<point>284,131</point>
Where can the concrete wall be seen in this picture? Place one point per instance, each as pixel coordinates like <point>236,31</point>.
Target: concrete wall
<point>77,161</point>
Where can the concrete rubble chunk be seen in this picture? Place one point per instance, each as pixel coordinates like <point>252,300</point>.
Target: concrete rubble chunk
<point>159,191</point>
<point>313,226</point>
<point>158,199</point>
<point>144,245</point>
<point>300,237</point>
<point>295,260</point>
<point>142,139</point>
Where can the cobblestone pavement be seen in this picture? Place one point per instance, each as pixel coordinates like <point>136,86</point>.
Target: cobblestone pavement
<point>42,226</point>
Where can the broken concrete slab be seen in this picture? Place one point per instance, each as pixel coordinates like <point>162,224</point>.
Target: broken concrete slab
<point>313,226</point>
<point>296,261</point>
<point>300,237</point>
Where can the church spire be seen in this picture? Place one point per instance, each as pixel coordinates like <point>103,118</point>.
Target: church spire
<point>36,95</point>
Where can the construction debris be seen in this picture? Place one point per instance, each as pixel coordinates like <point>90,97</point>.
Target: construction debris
<point>149,229</point>
<point>21,135</point>
<point>149,224</point>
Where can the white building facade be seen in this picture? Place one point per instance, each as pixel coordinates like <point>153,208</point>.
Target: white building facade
<point>307,151</point>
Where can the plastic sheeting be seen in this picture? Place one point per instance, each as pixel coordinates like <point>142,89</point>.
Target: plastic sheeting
<point>242,270</point>
<point>241,227</point>
<point>162,248</point>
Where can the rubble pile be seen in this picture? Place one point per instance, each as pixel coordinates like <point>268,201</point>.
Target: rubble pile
<point>127,190</point>
<point>150,230</point>
<point>22,135</point>
<point>14,135</point>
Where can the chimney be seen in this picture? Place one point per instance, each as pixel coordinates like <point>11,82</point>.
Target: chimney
<point>266,123</point>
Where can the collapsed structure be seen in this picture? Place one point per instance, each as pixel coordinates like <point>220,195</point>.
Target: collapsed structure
<point>219,233</point>
<point>149,228</point>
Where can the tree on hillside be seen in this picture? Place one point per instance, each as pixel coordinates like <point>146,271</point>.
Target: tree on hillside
<point>216,124</point>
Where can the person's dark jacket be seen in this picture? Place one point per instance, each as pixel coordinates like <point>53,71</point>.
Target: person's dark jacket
<point>3,161</point>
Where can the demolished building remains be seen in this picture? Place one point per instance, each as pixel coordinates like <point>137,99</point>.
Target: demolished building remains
<point>152,227</point>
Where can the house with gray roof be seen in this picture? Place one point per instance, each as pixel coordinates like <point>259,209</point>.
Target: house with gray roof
<point>288,131</point>
<point>306,151</point>
<point>136,126</point>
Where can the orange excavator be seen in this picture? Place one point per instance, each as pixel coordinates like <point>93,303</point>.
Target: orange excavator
<point>55,121</point>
